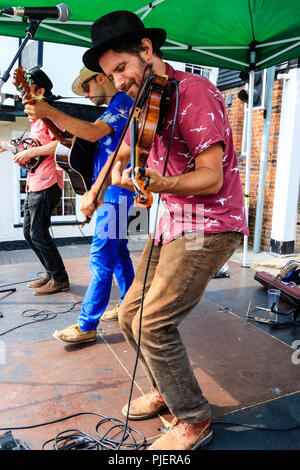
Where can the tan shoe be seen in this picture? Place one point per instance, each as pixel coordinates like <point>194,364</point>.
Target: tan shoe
<point>74,334</point>
<point>184,436</point>
<point>39,282</point>
<point>145,406</point>
<point>52,287</point>
<point>111,315</point>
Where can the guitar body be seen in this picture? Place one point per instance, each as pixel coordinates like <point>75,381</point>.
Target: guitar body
<point>75,157</point>
<point>18,145</point>
<point>25,144</point>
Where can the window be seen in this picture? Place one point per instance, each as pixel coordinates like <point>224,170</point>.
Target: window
<point>66,208</point>
<point>66,211</point>
<point>210,73</point>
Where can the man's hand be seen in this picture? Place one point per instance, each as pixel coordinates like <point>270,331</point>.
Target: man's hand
<point>39,110</point>
<point>122,179</point>
<point>25,156</point>
<point>157,182</point>
<point>88,204</point>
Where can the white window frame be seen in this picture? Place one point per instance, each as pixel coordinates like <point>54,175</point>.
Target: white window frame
<point>17,197</point>
<point>212,71</point>
<point>67,218</point>
<point>261,106</point>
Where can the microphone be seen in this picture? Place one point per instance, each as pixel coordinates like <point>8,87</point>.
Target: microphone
<point>5,96</point>
<point>61,12</point>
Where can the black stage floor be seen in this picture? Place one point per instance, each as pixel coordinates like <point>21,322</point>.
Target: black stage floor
<point>249,372</point>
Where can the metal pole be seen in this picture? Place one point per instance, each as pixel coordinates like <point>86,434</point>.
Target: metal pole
<point>30,32</point>
<point>248,162</point>
<point>263,160</point>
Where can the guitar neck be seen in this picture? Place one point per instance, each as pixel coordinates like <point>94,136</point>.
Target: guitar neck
<point>9,147</point>
<point>61,136</point>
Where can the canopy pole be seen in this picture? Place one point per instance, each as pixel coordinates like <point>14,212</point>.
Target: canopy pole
<point>263,160</point>
<point>248,162</point>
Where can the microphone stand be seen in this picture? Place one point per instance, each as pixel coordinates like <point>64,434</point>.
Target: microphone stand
<point>30,32</point>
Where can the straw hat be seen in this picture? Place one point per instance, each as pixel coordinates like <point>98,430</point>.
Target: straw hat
<point>83,76</point>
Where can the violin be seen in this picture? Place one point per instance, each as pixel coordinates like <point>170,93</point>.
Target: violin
<point>144,119</point>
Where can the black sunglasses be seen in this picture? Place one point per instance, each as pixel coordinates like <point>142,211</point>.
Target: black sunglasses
<point>84,86</point>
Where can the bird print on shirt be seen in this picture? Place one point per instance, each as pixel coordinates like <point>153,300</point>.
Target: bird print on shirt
<point>199,129</point>
<point>183,113</point>
<point>222,200</point>
<point>216,95</point>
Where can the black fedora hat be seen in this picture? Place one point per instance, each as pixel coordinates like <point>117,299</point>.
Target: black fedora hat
<point>115,28</point>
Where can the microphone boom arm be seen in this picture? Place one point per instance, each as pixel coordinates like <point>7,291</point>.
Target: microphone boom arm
<point>30,32</point>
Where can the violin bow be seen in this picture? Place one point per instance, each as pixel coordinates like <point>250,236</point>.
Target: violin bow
<point>136,105</point>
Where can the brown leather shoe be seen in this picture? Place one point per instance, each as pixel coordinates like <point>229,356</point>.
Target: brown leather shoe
<point>39,282</point>
<point>145,406</point>
<point>184,436</point>
<point>52,287</point>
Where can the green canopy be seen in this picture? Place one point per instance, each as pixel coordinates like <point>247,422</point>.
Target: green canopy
<point>235,34</point>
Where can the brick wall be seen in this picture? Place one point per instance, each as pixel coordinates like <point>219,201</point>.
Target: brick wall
<point>236,117</point>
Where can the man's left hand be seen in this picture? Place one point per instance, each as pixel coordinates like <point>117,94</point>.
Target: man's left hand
<point>157,182</point>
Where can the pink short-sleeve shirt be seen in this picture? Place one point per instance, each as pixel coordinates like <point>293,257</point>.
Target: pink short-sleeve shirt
<point>201,121</point>
<point>47,173</point>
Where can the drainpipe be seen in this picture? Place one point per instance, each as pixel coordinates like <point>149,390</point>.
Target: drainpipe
<point>263,160</point>
<point>248,162</point>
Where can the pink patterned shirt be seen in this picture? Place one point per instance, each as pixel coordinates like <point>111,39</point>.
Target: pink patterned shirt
<point>202,121</point>
<point>47,173</point>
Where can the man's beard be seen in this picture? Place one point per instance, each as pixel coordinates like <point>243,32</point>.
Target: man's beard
<point>136,82</point>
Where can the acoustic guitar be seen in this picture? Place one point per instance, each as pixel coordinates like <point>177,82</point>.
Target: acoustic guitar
<point>73,155</point>
<point>76,158</point>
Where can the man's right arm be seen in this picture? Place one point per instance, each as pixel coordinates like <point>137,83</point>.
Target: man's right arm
<point>91,200</point>
<point>91,131</point>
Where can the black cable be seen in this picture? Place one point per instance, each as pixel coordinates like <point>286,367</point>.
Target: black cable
<point>21,282</point>
<point>39,316</point>
<point>118,444</point>
<point>258,427</point>
<point>74,438</point>
<point>150,254</point>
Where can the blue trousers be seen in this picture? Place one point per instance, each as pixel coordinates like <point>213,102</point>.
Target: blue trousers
<point>109,256</point>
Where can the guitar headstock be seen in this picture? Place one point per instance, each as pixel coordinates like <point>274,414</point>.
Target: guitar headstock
<point>22,83</point>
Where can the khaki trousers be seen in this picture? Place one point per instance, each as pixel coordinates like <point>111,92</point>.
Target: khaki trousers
<point>177,277</point>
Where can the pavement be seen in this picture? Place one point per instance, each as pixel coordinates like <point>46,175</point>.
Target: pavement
<point>136,243</point>
<point>73,250</point>
<point>263,260</point>
<point>249,372</point>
